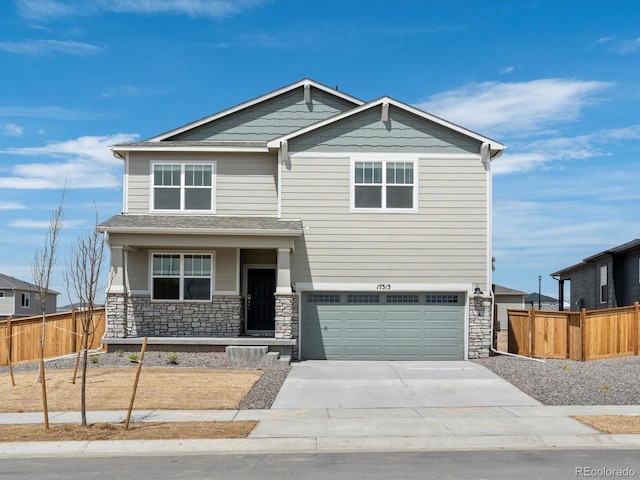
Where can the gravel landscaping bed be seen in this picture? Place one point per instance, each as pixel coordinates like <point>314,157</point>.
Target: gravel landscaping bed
<point>261,396</point>
<point>567,382</point>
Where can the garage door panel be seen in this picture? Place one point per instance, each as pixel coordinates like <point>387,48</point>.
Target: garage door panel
<point>384,330</point>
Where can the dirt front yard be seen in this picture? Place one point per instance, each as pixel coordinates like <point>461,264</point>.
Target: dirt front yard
<point>111,389</point>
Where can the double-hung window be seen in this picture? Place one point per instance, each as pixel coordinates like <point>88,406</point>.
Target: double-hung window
<point>25,300</point>
<point>182,276</point>
<point>384,185</point>
<point>183,186</point>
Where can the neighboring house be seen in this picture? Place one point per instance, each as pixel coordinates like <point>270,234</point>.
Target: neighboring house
<point>543,303</point>
<point>607,279</point>
<point>350,229</point>
<point>21,299</point>
<point>505,299</point>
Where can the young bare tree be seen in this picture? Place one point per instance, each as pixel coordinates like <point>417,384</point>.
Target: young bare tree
<point>44,263</point>
<point>83,278</point>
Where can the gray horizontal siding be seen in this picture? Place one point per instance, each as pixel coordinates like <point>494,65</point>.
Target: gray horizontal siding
<point>245,183</point>
<point>367,132</point>
<point>270,119</point>
<point>443,242</point>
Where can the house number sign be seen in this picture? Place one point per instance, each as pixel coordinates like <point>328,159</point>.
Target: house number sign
<point>383,286</point>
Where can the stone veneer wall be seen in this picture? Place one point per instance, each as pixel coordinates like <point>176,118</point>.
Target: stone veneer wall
<point>480,327</point>
<point>137,316</point>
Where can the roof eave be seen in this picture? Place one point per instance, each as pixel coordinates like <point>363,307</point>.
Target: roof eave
<point>117,149</point>
<point>202,231</point>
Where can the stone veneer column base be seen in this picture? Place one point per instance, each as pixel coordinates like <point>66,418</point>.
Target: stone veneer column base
<point>480,326</point>
<point>286,319</point>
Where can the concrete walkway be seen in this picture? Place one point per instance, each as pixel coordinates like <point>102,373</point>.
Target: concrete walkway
<point>380,406</point>
<point>327,430</point>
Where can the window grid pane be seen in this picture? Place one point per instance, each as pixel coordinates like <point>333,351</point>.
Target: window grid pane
<point>363,298</point>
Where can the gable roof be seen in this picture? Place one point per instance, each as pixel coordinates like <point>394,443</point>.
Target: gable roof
<point>384,102</point>
<point>500,290</point>
<point>11,283</point>
<point>167,141</point>
<point>306,82</point>
<point>611,251</point>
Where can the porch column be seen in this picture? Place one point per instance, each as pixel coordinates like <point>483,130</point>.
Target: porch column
<point>283,282</point>
<point>116,271</point>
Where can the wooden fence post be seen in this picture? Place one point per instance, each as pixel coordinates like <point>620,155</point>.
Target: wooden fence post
<point>584,333</point>
<point>636,327</point>
<point>7,340</point>
<point>532,330</point>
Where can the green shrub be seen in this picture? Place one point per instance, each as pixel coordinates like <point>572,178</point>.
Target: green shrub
<point>94,359</point>
<point>133,357</point>
<point>173,358</point>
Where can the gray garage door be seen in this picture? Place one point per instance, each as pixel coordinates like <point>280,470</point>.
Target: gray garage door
<point>382,326</point>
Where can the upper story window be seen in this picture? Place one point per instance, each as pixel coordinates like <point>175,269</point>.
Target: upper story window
<point>25,300</point>
<point>183,186</point>
<point>384,185</point>
<point>182,276</point>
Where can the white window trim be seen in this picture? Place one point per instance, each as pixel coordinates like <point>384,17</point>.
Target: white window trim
<point>383,159</point>
<point>182,253</point>
<point>25,298</point>
<point>183,163</point>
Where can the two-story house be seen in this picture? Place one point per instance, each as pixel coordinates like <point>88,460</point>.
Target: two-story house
<point>346,229</point>
<point>21,299</point>
<point>607,279</point>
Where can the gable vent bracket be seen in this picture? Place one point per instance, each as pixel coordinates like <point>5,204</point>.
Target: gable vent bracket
<point>307,93</point>
<point>284,150</point>
<point>385,112</point>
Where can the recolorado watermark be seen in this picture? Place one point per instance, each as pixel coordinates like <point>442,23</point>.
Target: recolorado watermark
<point>605,472</point>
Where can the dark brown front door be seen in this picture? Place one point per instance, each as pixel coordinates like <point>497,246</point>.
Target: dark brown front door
<point>261,285</point>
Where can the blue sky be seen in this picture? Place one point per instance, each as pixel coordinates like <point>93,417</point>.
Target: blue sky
<point>557,81</point>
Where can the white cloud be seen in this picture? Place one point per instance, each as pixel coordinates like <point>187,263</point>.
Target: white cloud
<point>12,130</point>
<point>507,70</point>
<point>520,107</point>
<point>11,206</point>
<point>44,224</point>
<point>84,162</point>
<point>39,47</point>
<point>57,113</point>
<point>48,9</point>
<point>541,153</point>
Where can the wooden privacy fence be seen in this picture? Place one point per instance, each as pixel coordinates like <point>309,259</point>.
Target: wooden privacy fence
<point>584,335</point>
<point>21,338</point>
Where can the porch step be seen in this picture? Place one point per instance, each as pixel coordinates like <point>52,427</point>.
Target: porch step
<point>250,353</point>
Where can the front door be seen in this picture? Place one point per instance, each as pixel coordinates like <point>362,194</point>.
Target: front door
<point>261,304</point>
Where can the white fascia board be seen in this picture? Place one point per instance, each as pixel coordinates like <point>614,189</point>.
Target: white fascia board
<point>385,156</point>
<point>191,148</point>
<point>495,147</point>
<point>256,101</point>
<point>200,231</point>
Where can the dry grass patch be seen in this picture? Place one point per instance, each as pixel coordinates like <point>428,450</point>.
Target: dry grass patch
<point>114,431</point>
<point>612,423</point>
<point>111,388</point>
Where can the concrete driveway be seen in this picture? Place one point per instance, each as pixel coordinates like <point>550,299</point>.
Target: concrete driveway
<point>384,384</point>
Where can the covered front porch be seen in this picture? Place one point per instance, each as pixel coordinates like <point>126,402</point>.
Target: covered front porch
<point>221,283</point>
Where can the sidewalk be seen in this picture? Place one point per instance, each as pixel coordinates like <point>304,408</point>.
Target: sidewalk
<point>324,430</point>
